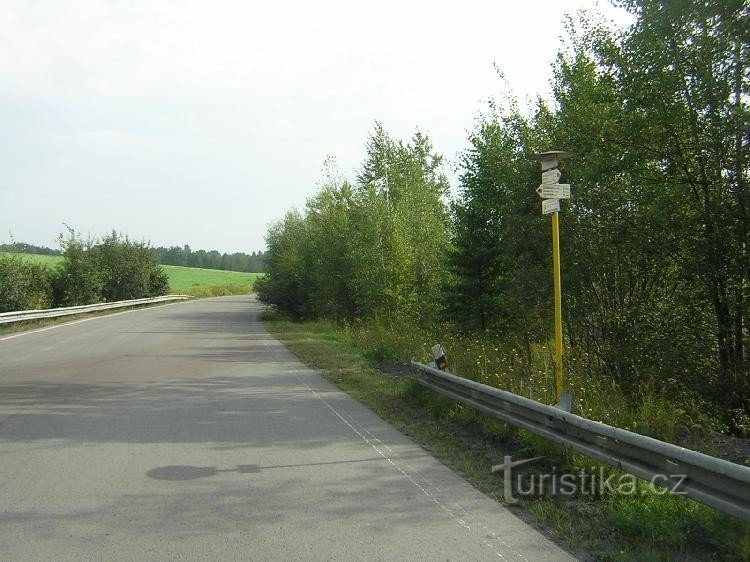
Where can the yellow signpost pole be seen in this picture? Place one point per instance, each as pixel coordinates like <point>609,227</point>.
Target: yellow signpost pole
<point>558,303</point>
<point>551,193</point>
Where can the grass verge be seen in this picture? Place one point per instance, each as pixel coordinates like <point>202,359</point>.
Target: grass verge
<point>642,526</point>
<point>217,290</point>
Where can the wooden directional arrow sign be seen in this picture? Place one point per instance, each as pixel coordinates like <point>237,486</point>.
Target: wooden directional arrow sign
<point>550,206</point>
<point>554,191</point>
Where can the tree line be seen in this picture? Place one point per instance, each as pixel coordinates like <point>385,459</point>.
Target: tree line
<point>172,255</point>
<point>212,259</point>
<point>655,260</point>
<point>111,269</point>
<point>24,248</point>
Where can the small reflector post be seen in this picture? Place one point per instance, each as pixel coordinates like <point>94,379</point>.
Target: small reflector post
<point>439,354</point>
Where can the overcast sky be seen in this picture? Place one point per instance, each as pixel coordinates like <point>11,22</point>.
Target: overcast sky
<point>200,123</point>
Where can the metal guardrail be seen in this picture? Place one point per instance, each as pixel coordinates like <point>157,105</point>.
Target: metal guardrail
<point>23,315</point>
<point>715,482</point>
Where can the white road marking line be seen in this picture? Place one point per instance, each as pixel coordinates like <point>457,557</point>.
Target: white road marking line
<point>451,512</point>
<point>457,508</point>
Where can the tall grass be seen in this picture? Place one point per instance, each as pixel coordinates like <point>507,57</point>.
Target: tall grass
<point>527,369</point>
<point>217,290</point>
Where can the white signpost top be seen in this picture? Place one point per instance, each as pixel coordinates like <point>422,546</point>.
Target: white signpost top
<point>550,206</point>
<point>550,159</point>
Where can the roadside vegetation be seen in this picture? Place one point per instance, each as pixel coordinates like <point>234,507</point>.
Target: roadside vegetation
<point>655,261</point>
<point>34,276</point>
<point>111,269</point>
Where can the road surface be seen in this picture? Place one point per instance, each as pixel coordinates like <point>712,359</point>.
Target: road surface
<point>186,431</point>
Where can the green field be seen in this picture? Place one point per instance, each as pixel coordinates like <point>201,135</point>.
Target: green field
<point>189,277</point>
<point>50,261</point>
<point>181,279</point>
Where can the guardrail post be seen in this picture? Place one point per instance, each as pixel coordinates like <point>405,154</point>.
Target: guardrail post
<point>439,354</point>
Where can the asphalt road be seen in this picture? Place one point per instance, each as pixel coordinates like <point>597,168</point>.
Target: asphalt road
<point>188,432</point>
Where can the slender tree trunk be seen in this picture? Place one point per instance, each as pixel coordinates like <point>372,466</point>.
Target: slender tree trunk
<point>740,134</point>
<point>724,335</point>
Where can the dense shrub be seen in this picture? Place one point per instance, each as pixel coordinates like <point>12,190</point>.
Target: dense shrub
<point>23,285</point>
<point>114,269</point>
<point>78,280</point>
<point>369,249</point>
<point>129,269</point>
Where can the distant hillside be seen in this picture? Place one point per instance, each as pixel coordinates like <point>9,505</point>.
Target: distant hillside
<point>212,259</point>
<point>24,248</point>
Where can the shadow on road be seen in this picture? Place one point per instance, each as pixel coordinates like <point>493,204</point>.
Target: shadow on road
<point>182,472</point>
<point>256,410</point>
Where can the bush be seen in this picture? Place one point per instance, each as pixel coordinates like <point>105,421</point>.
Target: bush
<point>129,269</point>
<point>78,280</point>
<point>114,269</point>
<point>23,285</point>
